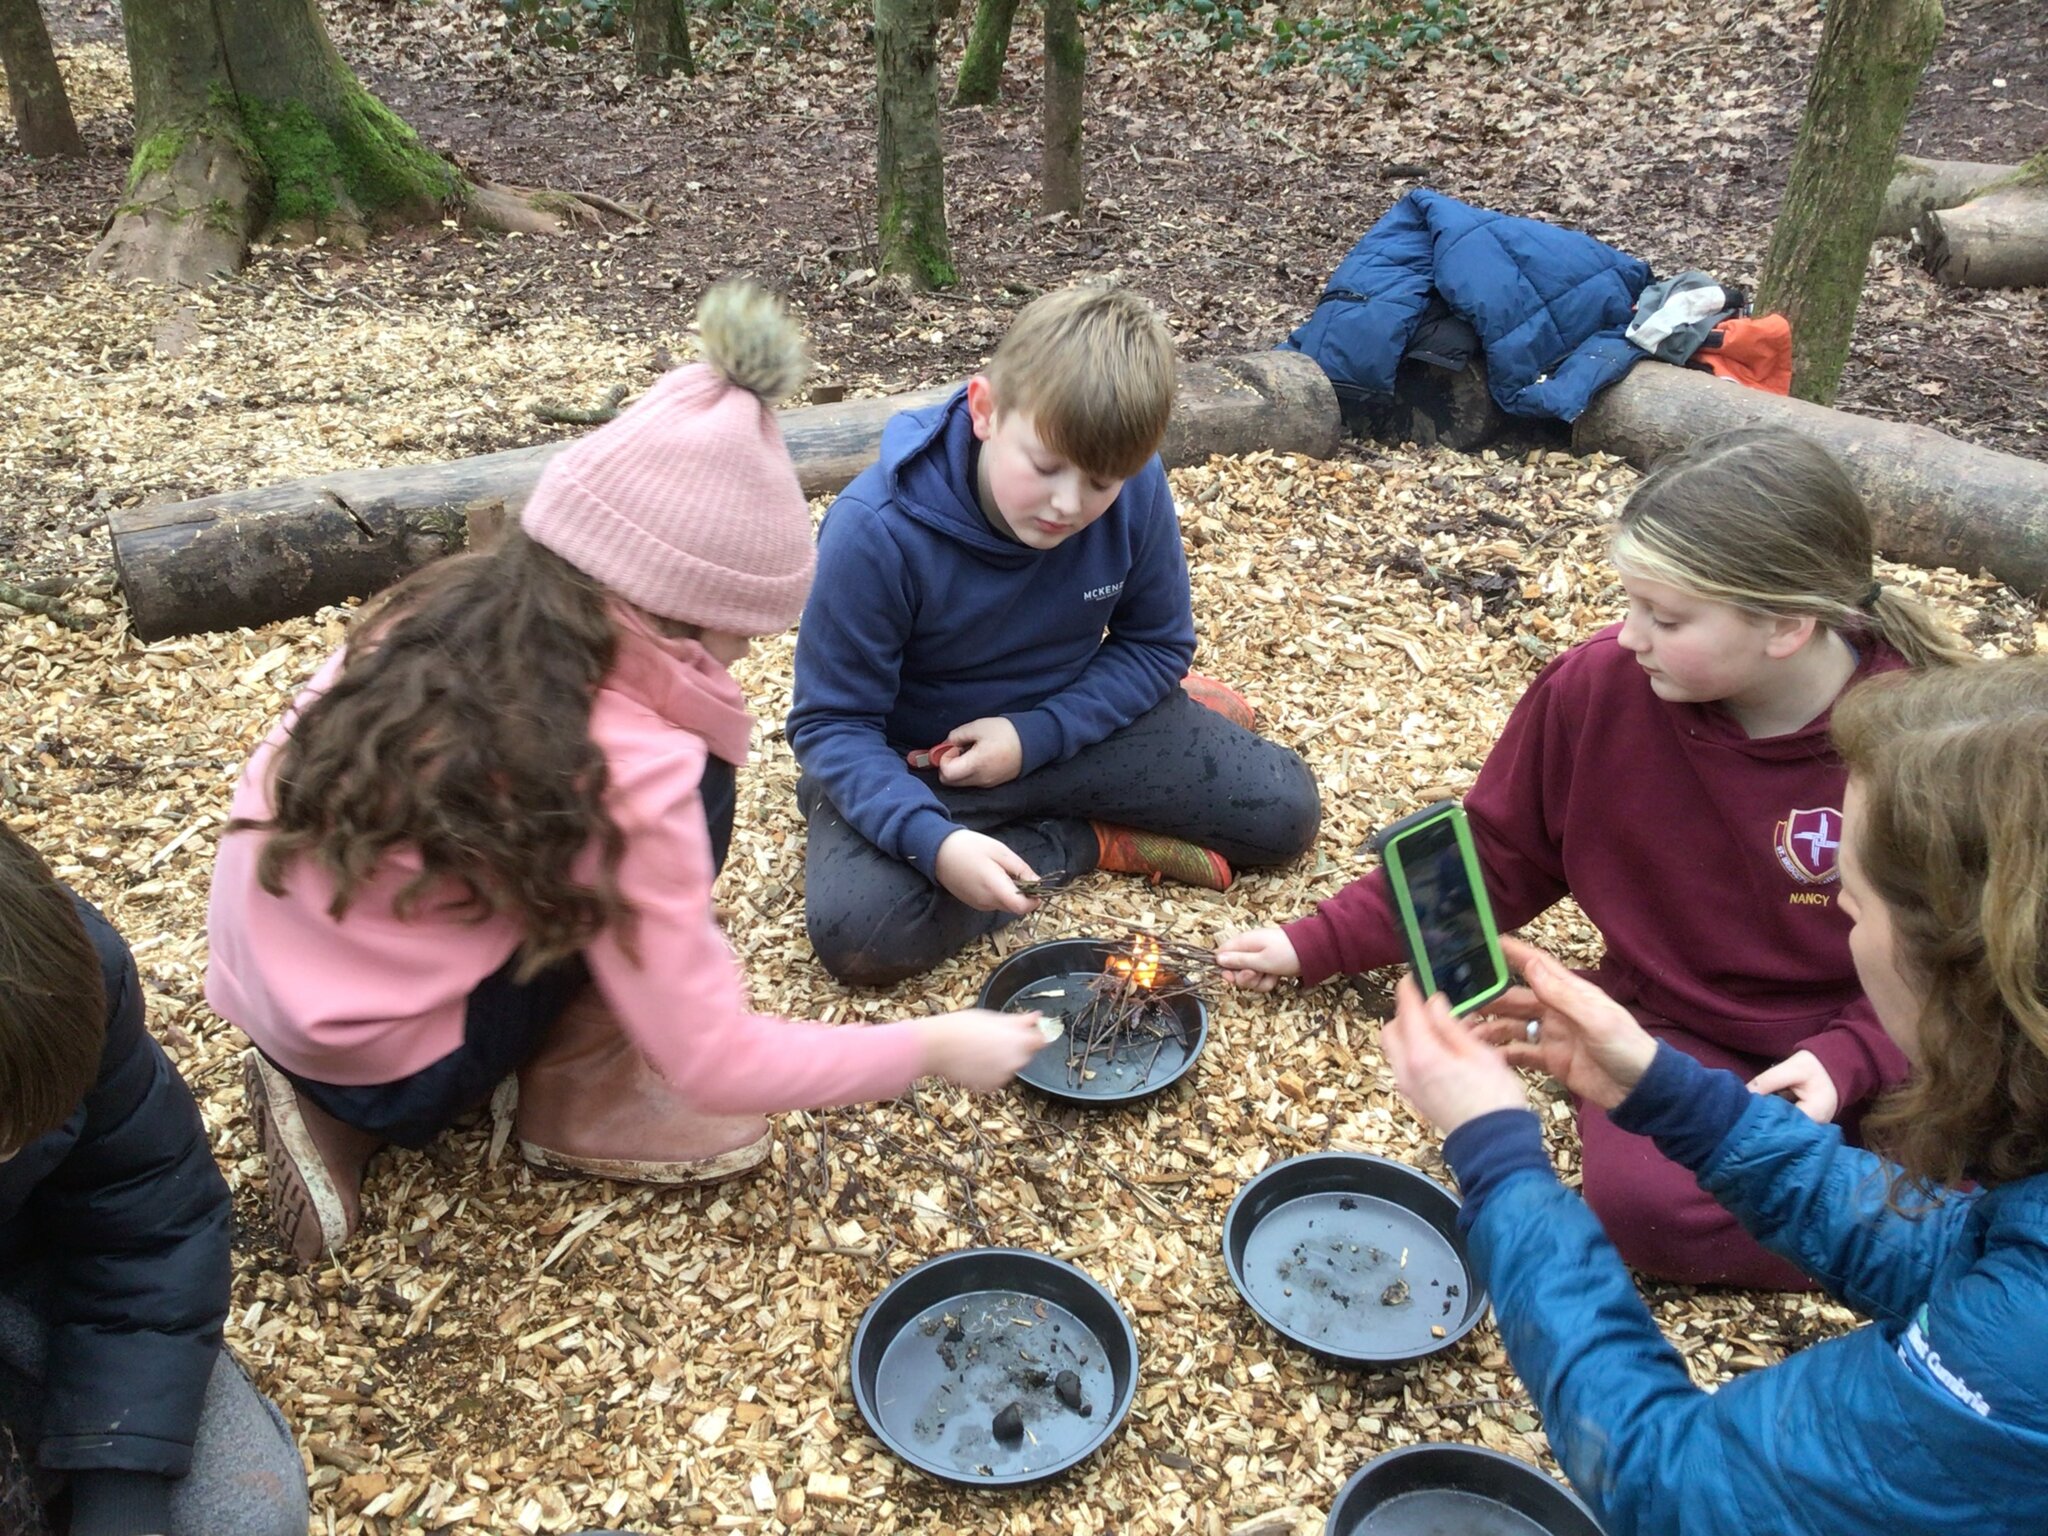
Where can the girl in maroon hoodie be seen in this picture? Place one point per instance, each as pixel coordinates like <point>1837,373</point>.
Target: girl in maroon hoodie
<point>1674,774</point>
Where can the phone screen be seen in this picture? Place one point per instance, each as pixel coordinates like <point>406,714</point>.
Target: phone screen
<point>1446,913</point>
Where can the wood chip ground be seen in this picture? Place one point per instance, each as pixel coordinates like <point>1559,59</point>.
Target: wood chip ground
<point>504,1352</point>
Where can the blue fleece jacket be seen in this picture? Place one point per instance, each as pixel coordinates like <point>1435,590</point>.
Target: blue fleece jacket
<point>924,616</point>
<point>1934,1418</point>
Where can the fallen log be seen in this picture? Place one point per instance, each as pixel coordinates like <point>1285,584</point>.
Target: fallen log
<point>1918,187</point>
<point>1999,240</point>
<point>251,557</point>
<point>1936,500</point>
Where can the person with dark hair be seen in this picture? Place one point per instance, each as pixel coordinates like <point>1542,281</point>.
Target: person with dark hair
<point>114,1251</point>
<point>481,844</point>
<point>1935,1417</point>
<point>1673,774</point>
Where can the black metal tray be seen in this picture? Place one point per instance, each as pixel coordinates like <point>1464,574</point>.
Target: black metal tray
<point>1133,1074</point>
<point>1355,1257</point>
<point>1429,1490</point>
<point>954,1342</point>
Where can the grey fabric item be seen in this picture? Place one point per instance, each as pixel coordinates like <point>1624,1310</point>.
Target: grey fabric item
<point>1674,317</point>
<point>246,1477</point>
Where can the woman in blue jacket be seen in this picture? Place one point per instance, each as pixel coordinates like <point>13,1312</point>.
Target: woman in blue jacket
<point>1936,1417</point>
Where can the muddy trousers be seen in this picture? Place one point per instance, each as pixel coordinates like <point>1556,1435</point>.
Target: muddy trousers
<point>1178,769</point>
<point>245,1480</point>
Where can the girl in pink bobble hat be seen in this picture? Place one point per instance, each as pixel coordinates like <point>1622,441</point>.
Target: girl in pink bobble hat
<point>479,848</point>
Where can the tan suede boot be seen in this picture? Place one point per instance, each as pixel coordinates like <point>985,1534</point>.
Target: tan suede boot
<point>315,1161</point>
<point>589,1103</point>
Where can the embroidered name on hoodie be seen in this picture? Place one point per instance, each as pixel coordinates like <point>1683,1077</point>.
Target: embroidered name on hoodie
<point>1102,594</point>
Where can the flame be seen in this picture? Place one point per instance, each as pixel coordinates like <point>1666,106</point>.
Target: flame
<point>1141,965</point>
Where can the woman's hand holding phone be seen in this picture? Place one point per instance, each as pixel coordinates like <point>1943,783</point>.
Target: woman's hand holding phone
<point>1442,1064</point>
<point>1584,1038</point>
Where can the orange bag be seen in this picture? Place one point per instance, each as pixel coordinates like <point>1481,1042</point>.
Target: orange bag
<point>1756,351</point>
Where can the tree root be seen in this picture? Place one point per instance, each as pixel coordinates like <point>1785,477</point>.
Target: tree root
<point>597,415</point>
<point>35,602</point>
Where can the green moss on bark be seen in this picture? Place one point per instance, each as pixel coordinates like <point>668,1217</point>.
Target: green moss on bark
<point>909,246</point>
<point>367,154</point>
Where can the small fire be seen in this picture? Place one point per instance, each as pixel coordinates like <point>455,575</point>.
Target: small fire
<point>1141,965</point>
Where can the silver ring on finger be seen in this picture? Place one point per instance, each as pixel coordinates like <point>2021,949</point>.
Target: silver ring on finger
<point>1533,1031</point>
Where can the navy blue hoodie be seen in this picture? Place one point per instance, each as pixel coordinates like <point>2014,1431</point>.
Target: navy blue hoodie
<point>924,617</point>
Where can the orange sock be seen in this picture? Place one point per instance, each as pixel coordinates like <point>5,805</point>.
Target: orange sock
<point>1127,851</point>
<point>1225,700</point>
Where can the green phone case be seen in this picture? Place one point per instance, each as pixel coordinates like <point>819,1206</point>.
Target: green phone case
<point>1479,973</point>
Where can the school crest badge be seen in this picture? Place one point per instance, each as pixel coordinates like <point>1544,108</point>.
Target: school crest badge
<point>1807,843</point>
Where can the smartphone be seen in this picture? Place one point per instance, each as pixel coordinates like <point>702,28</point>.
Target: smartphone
<point>1440,897</point>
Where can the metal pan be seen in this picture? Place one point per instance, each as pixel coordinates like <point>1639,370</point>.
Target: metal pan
<point>956,1343</point>
<point>1355,1257</point>
<point>1431,1490</point>
<point>1052,978</point>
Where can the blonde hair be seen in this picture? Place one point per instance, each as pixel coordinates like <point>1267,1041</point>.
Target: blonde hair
<point>1952,834</point>
<point>1766,519</point>
<point>1092,366</point>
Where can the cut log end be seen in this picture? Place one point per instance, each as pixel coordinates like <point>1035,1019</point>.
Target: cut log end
<point>1999,240</point>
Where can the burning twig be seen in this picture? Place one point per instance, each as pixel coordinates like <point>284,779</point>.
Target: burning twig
<point>1130,1004</point>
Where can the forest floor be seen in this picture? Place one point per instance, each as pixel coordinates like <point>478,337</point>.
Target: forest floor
<point>500,1351</point>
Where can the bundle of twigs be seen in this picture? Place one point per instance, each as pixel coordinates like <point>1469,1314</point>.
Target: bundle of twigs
<point>1130,1004</point>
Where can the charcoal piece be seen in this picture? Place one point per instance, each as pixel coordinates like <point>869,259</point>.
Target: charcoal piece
<point>1068,1386</point>
<point>1008,1425</point>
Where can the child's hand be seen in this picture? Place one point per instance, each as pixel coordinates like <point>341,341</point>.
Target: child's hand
<point>990,754</point>
<point>1584,1038</point>
<point>1442,1067</point>
<point>1258,958</point>
<point>983,873</point>
<point>1803,1077</point>
<point>978,1048</point>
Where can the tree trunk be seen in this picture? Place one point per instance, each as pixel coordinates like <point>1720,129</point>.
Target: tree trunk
<point>1869,64</point>
<point>42,112</point>
<point>1999,239</point>
<point>250,557</point>
<point>981,67</point>
<point>1918,187</point>
<point>1936,501</point>
<point>1063,181</point>
<point>247,122</point>
<point>910,164</point>
<point>661,37</point>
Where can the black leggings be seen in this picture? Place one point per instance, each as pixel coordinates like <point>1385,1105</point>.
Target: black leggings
<point>1179,768</point>
<point>505,1023</point>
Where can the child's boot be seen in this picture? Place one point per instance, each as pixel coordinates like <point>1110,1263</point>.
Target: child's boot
<point>1127,851</point>
<point>1221,697</point>
<point>589,1103</point>
<point>315,1161</point>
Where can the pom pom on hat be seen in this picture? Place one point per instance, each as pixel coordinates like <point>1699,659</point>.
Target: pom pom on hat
<point>687,504</point>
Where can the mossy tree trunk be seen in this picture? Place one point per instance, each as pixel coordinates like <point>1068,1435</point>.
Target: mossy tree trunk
<point>910,163</point>
<point>661,37</point>
<point>1871,56</point>
<point>988,42</point>
<point>248,123</point>
<point>1062,177</point>
<point>42,112</point>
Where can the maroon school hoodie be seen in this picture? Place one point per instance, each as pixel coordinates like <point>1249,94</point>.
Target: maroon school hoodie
<point>1706,859</point>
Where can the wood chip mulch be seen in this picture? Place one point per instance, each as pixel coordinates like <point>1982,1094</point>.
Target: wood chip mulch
<point>501,1351</point>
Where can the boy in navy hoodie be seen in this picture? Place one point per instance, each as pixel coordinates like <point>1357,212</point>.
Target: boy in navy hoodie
<point>988,672</point>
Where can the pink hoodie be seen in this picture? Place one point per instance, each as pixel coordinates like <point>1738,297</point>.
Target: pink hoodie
<point>373,999</point>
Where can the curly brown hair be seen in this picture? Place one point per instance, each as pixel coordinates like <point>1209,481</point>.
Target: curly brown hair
<point>459,729</point>
<point>1951,768</point>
